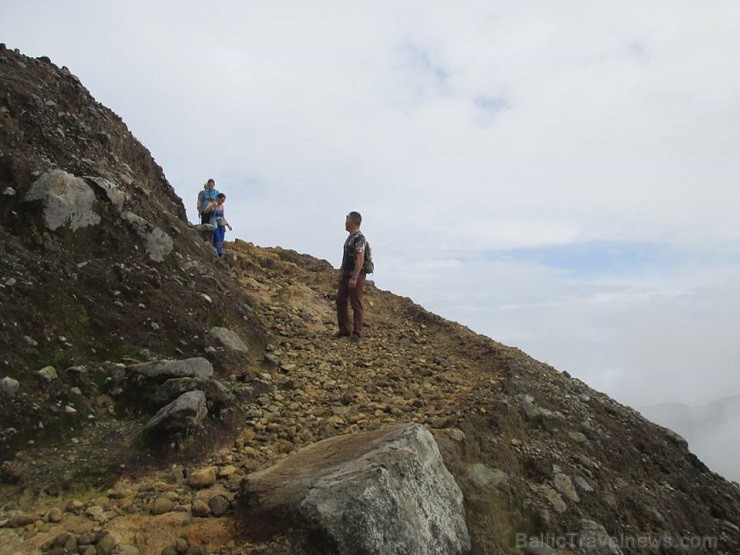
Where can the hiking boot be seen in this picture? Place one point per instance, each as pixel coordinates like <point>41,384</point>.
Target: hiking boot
<point>340,335</point>
<point>355,338</point>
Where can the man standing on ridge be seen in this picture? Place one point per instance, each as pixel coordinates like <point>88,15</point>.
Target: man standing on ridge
<point>351,279</point>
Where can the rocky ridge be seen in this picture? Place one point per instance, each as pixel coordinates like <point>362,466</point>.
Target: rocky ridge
<point>539,456</point>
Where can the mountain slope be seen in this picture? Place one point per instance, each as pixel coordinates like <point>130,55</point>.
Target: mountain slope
<point>121,280</point>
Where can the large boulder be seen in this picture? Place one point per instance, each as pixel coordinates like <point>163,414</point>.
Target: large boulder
<point>229,339</point>
<point>157,243</point>
<point>67,200</point>
<point>178,419</point>
<point>217,394</point>
<point>379,492</point>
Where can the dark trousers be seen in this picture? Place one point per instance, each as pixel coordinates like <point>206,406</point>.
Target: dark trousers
<point>354,296</point>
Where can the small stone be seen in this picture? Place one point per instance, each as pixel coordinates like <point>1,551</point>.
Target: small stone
<point>9,192</point>
<point>10,282</point>
<point>456,435</point>
<point>484,477</point>
<point>22,519</point>
<point>9,385</point>
<point>554,498</point>
<point>578,437</point>
<point>582,484</point>
<point>227,470</point>
<point>202,478</point>
<point>70,545</point>
<point>30,341</point>
<point>90,550</point>
<point>75,505</point>
<point>161,505</point>
<point>172,496</point>
<point>564,485</point>
<point>55,515</point>
<point>47,373</point>
<point>218,505</point>
<point>200,508</point>
<point>181,545</point>
<point>61,539</point>
<point>106,545</point>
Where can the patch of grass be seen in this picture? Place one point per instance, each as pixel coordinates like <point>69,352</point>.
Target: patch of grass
<point>72,321</point>
<point>216,319</point>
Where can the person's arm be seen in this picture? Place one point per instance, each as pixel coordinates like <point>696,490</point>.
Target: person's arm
<point>359,260</point>
<point>227,224</point>
<point>200,202</point>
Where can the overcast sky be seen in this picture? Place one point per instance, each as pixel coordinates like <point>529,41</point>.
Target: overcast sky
<point>559,175</point>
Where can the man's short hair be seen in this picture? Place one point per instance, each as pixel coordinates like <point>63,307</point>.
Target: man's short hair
<point>356,218</point>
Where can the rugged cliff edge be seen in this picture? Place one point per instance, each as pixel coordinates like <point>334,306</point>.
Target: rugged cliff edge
<point>143,383</point>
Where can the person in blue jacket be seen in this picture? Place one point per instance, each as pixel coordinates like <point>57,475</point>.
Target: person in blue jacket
<point>208,195</point>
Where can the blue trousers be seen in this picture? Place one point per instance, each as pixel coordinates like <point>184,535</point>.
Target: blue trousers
<point>219,234</point>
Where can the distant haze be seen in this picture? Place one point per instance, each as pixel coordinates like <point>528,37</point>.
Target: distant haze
<point>561,176</point>
<point>711,431</point>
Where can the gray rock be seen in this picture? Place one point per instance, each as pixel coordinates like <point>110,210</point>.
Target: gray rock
<point>554,498</point>
<point>229,339</point>
<point>218,395</point>
<point>578,437</point>
<point>157,243</point>
<point>484,477</point>
<point>218,505</point>
<point>539,414</point>
<point>9,192</point>
<point>182,416</point>
<point>9,385</point>
<point>379,492</point>
<point>564,485</point>
<point>594,540</point>
<point>197,367</point>
<point>582,484</point>
<point>115,194</point>
<point>68,200</point>
<point>47,373</point>
<point>205,231</point>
